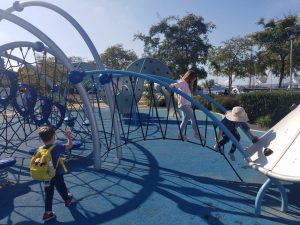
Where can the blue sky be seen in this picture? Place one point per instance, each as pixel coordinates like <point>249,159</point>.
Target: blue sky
<point>109,22</point>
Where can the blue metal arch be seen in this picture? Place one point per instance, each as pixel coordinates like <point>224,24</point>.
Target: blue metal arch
<point>64,59</point>
<point>117,73</point>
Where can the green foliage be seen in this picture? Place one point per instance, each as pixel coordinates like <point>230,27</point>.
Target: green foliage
<point>116,57</point>
<point>180,43</point>
<point>208,84</point>
<point>148,95</point>
<point>228,102</point>
<point>274,46</point>
<point>49,66</point>
<point>203,102</point>
<point>147,92</point>
<point>273,103</point>
<point>264,121</point>
<point>233,58</point>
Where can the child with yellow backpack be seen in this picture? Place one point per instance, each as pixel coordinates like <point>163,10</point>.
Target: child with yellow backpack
<point>47,165</point>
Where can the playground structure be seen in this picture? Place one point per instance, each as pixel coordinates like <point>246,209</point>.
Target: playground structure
<point>39,85</point>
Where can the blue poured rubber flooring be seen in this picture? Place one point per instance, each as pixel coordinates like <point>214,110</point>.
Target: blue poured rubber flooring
<point>156,182</point>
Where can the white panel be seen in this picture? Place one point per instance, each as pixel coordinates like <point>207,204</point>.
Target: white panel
<point>280,139</point>
<point>290,162</point>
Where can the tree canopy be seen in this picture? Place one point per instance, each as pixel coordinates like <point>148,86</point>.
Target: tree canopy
<point>116,57</point>
<point>180,43</point>
<point>274,45</point>
<point>232,59</point>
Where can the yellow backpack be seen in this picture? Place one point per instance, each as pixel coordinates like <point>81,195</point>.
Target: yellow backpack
<point>41,165</point>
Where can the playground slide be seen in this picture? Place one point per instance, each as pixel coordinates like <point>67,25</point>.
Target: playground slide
<point>277,153</point>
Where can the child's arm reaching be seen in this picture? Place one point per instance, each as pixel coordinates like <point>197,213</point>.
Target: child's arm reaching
<point>254,138</point>
<point>246,128</point>
<point>69,143</point>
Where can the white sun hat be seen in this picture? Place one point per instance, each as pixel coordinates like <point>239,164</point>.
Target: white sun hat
<point>237,114</point>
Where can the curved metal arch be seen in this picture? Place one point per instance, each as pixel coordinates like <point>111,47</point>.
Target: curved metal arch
<point>19,60</point>
<point>37,46</point>
<point>16,44</point>
<point>60,54</point>
<point>17,6</point>
<point>118,73</point>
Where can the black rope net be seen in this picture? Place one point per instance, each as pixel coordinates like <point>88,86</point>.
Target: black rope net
<point>35,91</point>
<point>39,93</point>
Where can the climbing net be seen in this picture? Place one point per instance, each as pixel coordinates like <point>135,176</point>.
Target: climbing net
<point>35,91</point>
<point>159,120</point>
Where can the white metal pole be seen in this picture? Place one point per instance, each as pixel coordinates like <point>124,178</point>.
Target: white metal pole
<point>291,61</point>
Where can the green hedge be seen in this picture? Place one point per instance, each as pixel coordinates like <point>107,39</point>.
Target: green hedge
<point>264,108</point>
<point>203,102</point>
<point>275,104</point>
<point>228,102</point>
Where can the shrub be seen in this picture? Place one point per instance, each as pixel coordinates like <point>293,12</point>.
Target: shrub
<point>273,103</point>
<point>203,102</point>
<point>228,102</point>
<point>264,121</point>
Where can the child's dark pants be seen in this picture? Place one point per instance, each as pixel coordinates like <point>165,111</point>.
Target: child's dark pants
<point>226,139</point>
<point>59,183</point>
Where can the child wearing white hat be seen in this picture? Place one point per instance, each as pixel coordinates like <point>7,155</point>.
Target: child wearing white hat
<point>237,117</point>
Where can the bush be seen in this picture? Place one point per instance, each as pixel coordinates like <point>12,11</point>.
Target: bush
<point>203,102</point>
<point>273,103</point>
<point>264,121</point>
<point>228,102</point>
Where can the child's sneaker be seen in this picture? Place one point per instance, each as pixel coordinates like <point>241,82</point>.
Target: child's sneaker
<point>68,201</point>
<point>49,216</point>
<point>216,147</point>
<point>231,156</point>
<point>219,149</point>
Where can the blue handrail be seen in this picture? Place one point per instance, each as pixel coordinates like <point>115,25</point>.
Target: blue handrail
<point>165,83</point>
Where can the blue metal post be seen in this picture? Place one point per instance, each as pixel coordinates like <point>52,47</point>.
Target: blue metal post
<point>262,191</point>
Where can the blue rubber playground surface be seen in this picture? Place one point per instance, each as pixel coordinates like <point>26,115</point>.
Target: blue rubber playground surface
<point>156,182</point>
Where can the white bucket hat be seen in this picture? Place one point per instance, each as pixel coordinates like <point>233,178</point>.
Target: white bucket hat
<point>237,114</point>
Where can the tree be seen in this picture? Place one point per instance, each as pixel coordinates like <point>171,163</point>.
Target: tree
<point>249,61</point>
<point>180,43</point>
<point>116,57</point>
<point>230,59</point>
<point>274,46</point>
<point>48,68</point>
<point>209,84</point>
